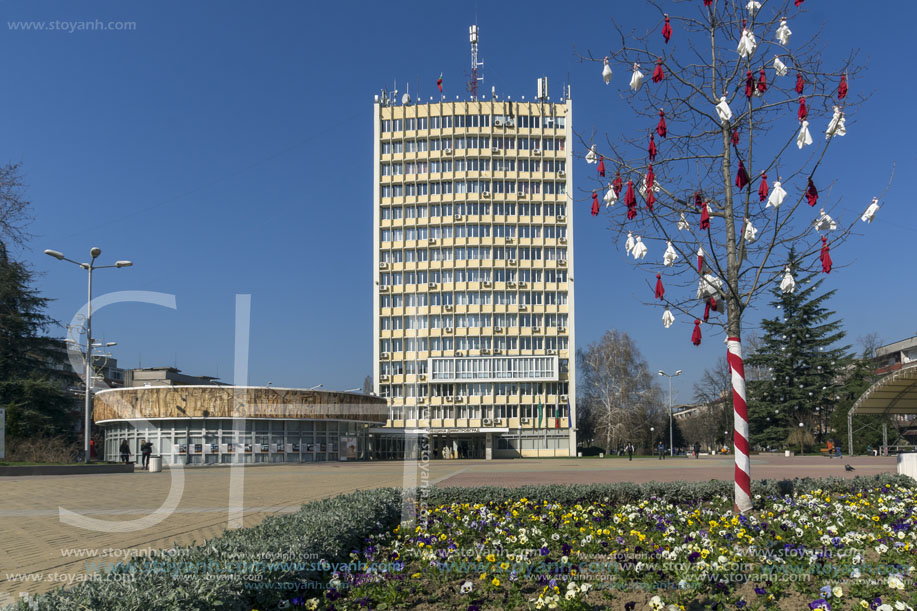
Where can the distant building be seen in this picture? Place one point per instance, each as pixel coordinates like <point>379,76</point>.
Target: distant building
<point>165,376</point>
<point>893,357</point>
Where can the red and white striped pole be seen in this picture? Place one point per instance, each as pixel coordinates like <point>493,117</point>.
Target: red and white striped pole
<point>740,436</point>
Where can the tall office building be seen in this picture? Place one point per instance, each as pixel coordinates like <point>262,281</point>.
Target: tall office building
<point>473,325</point>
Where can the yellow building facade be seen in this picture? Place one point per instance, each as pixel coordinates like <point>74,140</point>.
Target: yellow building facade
<point>473,300</point>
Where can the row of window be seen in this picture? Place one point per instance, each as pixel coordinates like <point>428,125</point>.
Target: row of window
<point>461,410</point>
<point>419,300</point>
<point>447,187</point>
<point>399,168</point>
<point>485,389</point>
<point>399,234</point>
<point>463,321</point>
<point>449,343</point>
<point>467,253</point>
<point>465,121</point>
<point>537,367</point>
<point>448,209</point>
<point>460,143</point>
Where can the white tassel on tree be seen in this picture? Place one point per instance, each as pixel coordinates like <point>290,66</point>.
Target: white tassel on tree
<point>610,197</point>
<point>747,43</point>
<point>606,72</point>
<point>778,193</point>
<point>640,249</point>
<point>779,67</point>
<point>642,189</point>
<point>804,138</point>
<point>788,284</point>
<point>667,319</point>
<point>709,286</point>
<point>750,234</point>
<point>636,81</point>
<point>683,223</point>
<point>668,259</point>
<point>723,110</point>
<point>592,156</point>
<point>824,222</point>
<point>783,33</point>
<point>629,244</point>
<point>871,211</point>
<point>837,126</point>
<point>753,7</point>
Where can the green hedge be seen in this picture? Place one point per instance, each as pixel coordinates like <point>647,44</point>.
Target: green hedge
<point>330,529</point>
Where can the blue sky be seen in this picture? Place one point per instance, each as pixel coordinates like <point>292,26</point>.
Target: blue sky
<point>228,150</point>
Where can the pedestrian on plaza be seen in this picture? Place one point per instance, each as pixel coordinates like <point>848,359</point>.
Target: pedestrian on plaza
<point>661,449</point>
<point>837,448</point>
<point>125,452</point>
<point>146,449</point>
<point>630,451</point>
<point>696,449</point>
<point>92,449</point>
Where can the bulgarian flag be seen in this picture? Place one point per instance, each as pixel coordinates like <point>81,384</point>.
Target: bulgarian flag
<point>439,83</point>
<point>557,413</point>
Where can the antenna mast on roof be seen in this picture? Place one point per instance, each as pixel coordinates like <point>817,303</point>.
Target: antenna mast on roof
<point>473,83</point>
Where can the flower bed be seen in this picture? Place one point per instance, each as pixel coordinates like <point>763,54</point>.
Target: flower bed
<point>832,543</point>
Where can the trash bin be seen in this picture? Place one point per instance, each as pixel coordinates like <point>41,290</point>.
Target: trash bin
<point>155,464</point>
<point>579,454</point>
<point>787,453</point>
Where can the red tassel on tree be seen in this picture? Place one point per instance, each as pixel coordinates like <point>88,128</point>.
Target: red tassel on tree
<point>803,109</point>
<point>826,262</point>
<point>629,198</point>
<point>631,212</point>
<point>811,193</point>
<point>667,30</point>
<point>695,337</point>
<point>707,310</point>
<point>601,167</point>
<point>749,84</point>
<point>735,137</point>
<point>658,74</point>
<point>705,217</point>
<point>652,148</point>
<point>842,88</point>
<point>698,202</point>
<point>708,2</point>
<point>650,178</point>
<point>762,81</point>
<point>798,2</point>
<point>650,199</point>
<point>617,184</point>
<point>595,204</point>
<point>741,176</point>
<point>659,290</point>
<point>700,260</point>
<point>661,129</point>
<point>763,190</point>
<point>800,83</point>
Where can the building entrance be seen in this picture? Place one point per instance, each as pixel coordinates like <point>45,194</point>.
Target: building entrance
<point>458,446</point>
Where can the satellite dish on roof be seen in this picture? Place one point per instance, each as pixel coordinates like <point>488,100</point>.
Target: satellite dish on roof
<point>406,99</point>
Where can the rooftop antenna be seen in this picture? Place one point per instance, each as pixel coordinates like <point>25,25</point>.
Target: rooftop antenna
<point>473,84</point>
<point>406,98</point>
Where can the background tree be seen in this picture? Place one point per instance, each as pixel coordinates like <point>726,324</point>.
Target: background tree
<point>621,398</point>
<point>725,112</point>
<point>867,429</point>
<point>805,366</point>
<point>713,393</point>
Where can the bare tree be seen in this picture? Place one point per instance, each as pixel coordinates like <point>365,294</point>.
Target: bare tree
<point>714,414</point>
<point>622,397</point>
<point>732,101</point>
<point>15,212</point>
<point>870,343</point>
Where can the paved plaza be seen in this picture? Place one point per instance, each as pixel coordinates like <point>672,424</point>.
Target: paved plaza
<point>37,550</point>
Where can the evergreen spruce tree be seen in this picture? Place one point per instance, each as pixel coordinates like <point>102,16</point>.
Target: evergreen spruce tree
<point>804,367</point>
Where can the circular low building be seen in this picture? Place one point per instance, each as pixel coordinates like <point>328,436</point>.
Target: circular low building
<point>197,425</point>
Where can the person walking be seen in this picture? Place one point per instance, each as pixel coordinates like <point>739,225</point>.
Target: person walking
<point>661,449</point>
<point>630,451</point>
<point>146,449</point>
<point>125,451</point>
<point>696,449</point>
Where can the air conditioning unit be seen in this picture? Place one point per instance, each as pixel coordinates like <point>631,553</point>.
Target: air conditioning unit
<point>561,329</point>
<point>510,239</point>
<point>510,122</point>
<point>447,150</point>
<point>494,150</point>
<point>561,173</point>
<point>431,241</point>
<point>383,265</point>
<point>536,329</point>
<point>448,307</point>
<point>522,306</point>
<point>485,351</point>
<point>561,218</point>
<point>512,261</point>
<point>383,289</point>
<point>552,351</point>
<point>384,355</point>
<point>421,400</point>
<point>448,329</point>
<point>487,422</point>
<point>510,283</point>
<point>457,217</point>
<point>563,397</point>
<point>486,283</point>
<point>457,399</point>
<point>497,330</point>
<point>498,421</point>
<point>423,376</point>
<point>448,399</point>
<point>498,351</point>
<point>521,194</point>
<point>431,285</point>
<point>536,151</point>
<point>524,420</point>
<point>562,262</point>
<point>563,240</point>
<point>523,284</point>
<point>485,194</point>
<point>383,378</point>
<point>459,353</point>
<point>498,122</point>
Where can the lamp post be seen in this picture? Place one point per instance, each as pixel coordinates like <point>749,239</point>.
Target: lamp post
<point>89,267</point>
<point>677,373</point>
<point>800,438</point>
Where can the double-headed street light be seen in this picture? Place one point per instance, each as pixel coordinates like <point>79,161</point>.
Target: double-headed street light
<point>89,267</point>
<point>677,373</point>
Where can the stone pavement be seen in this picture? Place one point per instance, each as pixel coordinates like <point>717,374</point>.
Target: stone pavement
<point>39,552</point>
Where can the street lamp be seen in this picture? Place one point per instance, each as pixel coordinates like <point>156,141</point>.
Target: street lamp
<point>800,438</point>
<point>89,267</point>
<point>677,373</point>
